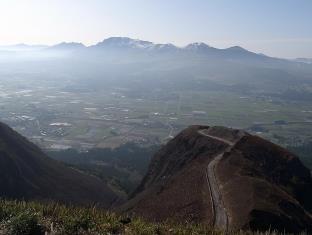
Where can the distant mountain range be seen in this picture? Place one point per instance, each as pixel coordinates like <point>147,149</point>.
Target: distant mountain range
<point>120,61</point>
<point>125,48</point>
<point>125,43</point>
<point>226,178</point>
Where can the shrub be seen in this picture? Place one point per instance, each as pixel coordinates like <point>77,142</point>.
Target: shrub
<point>78,223</point>
<point>24,223</point>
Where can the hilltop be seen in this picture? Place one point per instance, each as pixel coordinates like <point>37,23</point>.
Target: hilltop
<point>228,179</point>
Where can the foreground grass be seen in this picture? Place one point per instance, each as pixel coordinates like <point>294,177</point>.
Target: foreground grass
<point>32,218</point>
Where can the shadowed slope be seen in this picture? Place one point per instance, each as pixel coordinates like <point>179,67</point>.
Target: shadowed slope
<point>266,186</point>
<point>26,172</point>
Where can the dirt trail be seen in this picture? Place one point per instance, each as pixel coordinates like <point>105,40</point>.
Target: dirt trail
<point>221,220</point>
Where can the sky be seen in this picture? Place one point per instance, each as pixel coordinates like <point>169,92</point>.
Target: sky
<point>281,28</point>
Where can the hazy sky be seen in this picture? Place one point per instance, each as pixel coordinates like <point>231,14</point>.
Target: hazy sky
<point>275,27</point>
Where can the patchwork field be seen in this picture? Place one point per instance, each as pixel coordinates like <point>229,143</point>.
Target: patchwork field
<point>55,118</point>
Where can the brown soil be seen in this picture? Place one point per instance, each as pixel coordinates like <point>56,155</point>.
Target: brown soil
<point>263,186</point>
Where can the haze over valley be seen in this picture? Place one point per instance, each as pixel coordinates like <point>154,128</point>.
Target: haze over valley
<point>124,90</point>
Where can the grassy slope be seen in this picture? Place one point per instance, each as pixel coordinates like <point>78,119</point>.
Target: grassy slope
<point>18,217</point>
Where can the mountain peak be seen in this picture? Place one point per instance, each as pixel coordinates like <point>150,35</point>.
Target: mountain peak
<point>68,46</point>
<point>124,42</point>
<point>237,48</point>
<point>197,46</point>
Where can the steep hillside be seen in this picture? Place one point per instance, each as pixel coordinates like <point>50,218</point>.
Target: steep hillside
<point>26,173</point>
<point>225,178</point>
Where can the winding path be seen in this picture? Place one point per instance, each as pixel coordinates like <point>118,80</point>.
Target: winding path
<point>221,220</point>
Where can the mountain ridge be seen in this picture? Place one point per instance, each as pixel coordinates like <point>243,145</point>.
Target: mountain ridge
<point>258,185</point>
<point>67,46</point>
<point>124,43</point>
<point>124,47</point>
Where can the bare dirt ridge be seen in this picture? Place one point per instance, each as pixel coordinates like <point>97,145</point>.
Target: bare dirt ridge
<point>253,184</point>
<point>221,219</point>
